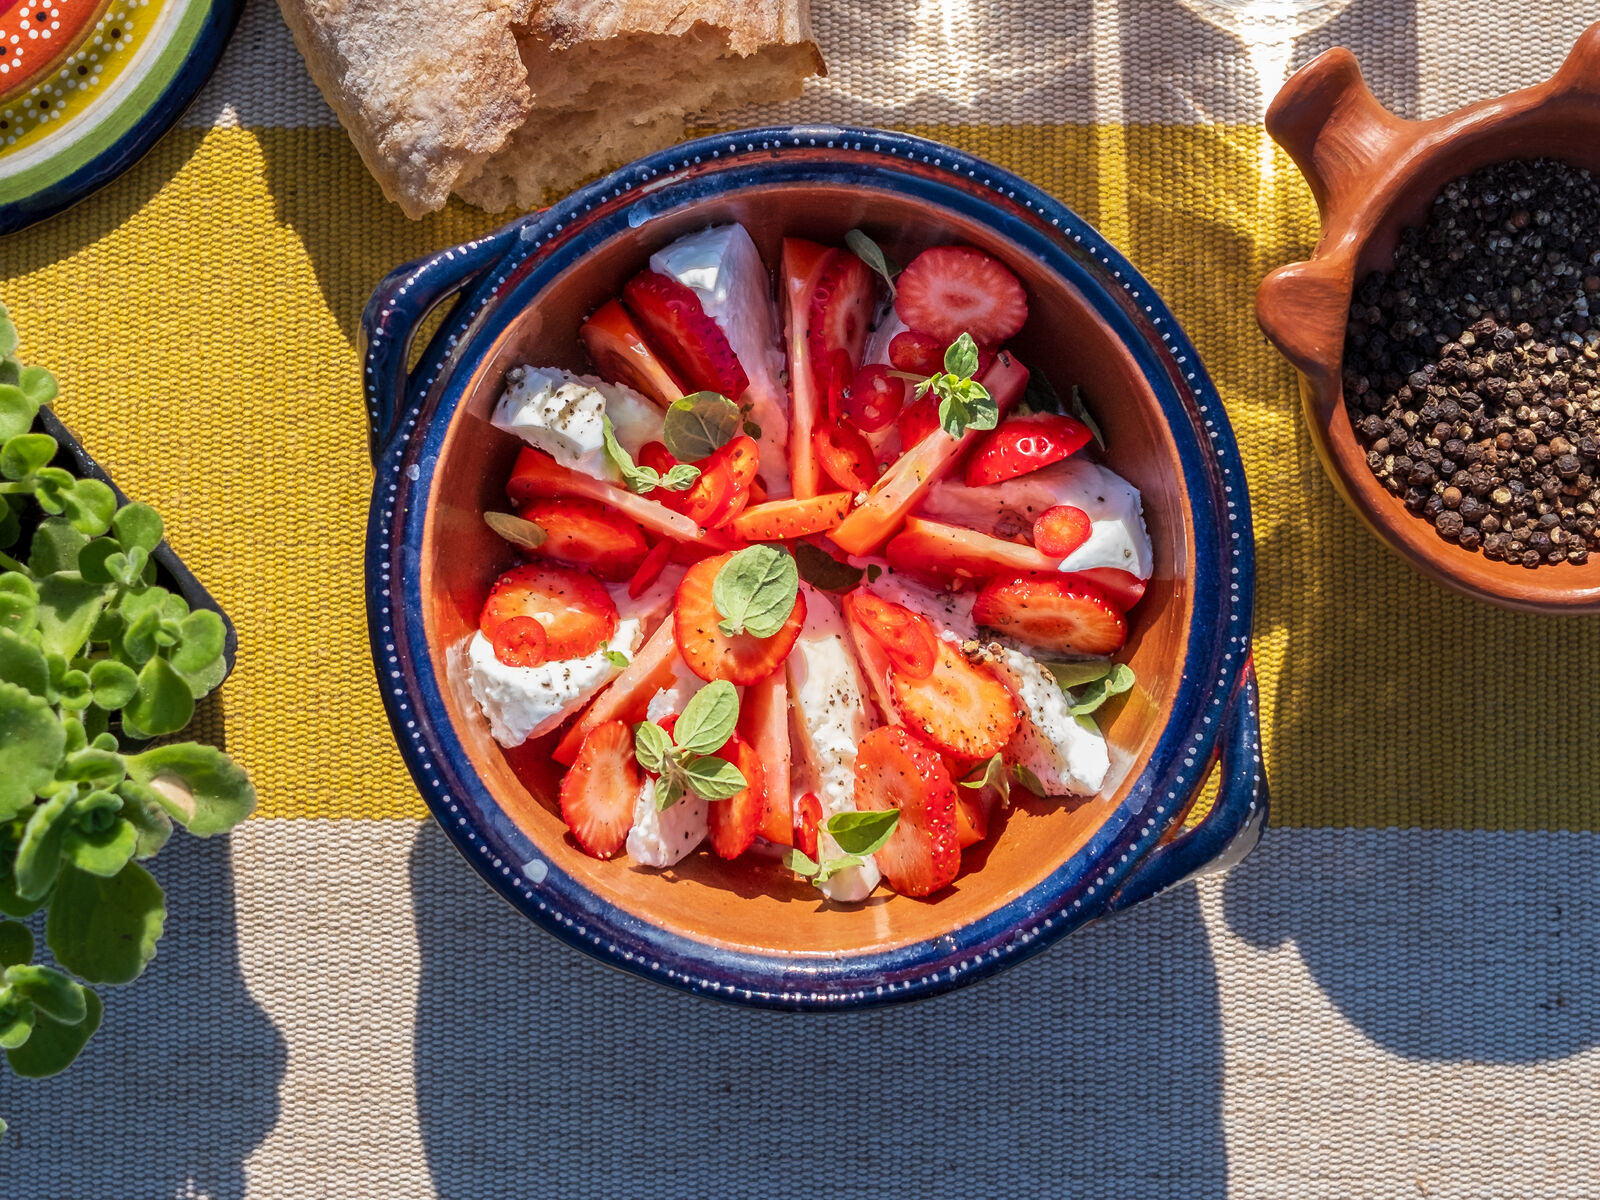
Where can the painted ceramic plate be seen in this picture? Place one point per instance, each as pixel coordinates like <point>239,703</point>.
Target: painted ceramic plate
<point>88,86</point>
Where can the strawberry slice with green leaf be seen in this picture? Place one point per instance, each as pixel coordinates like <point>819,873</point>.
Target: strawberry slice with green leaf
<point>893,771</point>
<point>736,616</point>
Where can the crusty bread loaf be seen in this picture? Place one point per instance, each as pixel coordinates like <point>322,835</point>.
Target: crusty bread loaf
<point>509,101</point>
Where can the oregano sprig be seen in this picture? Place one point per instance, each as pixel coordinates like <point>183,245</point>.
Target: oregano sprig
<point>679,478</point>
<point>964,403</point>
<point>859,834</point>
<point>755,591</point>
<point>685,760</point>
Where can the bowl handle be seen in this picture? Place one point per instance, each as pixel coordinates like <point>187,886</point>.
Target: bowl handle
<point>1233,826</point>
<point>397,309</point>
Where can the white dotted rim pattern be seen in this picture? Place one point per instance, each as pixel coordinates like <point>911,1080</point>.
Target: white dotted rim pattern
<point>535,887</point>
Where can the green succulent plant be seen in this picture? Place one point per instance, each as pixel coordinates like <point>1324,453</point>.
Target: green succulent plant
<point>90,645</point>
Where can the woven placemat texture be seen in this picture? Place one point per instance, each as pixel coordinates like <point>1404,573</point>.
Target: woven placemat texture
<point>1397,997</point>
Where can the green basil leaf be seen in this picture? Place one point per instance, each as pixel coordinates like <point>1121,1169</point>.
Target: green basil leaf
<point>138,525</point>
<point>831,867</point>
<point>163,704</point>
<point>521,533</point>
<point>199,786</point>
<point>1028,779</point>
<point>52,993</point>
<point>53,1045</point>
<point>869,252</point>
<point>68,609</point>
<point>863,833</point>
<point>56,546</point>
<point>38,385</point>
<point>200,638</point>
<point>1081,412</point>
<point>112,684</point>
<point>89,505</point>
<point>699,425</point>
<point>17,1017</point>
<point>32,742</point>
<point>16,411</point>
<point>680,477</point>
<point>966,405</point>
<point>105,930</point>
<point>713,778</point>
<point>1070,675</point>
<point>800,862</point>
<point>961,357</point>
<point>617,659</point>
<point>23,663</point>
<point>22,455</point>
<point>670,787</point>
<point>39,852</point>
<point>651,745</point>
<point>709,719</point>
<point>103,852</point>
<point>1116,681</point>
<point>989,773</point>
<point>16,944</point>
<point>141,808</point>
<point>755,591</point>
<point>822,570</point>
<point>638,479</point>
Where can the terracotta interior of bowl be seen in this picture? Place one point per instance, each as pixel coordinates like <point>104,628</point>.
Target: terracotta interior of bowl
<point>1570,135</point>
<point>753,903</point>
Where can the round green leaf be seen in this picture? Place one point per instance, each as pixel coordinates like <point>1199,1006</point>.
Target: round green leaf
<point>54,1045</point>
<point>23,663</point>
<point>38,385</point>
<point>39,852</point>
<point>51,992</point>
<point>112,683</point>
<point>16,411</point>
<point>103,852</point>
<point>141,807</point>
<point>700,424</point>
<point>22,455</point>
<point>138,639</point>
<point>105,930</point>
<point>31,745</point>
<point>198,786</point>
<point>200,638</point>
<point>94,557</point>
<point>137,525</point>
<point>68,609</point>
<point>56,545</point>
<point>16,944</point>
<point>74,691</point>
<point>17,1017</point>
<point>708,720</point>
<point>102,769</point>
<point>755,591</point>
<point>163,702</point>
<point>89,505</point>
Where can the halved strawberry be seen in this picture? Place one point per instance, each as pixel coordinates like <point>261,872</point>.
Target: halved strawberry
<point>780,520</point>
<point>807,823</point>
<point>840,317</point>
<point>951,290</point>
<point>916,353</point>
<point>1052,611</point>
<point>576,611</point>
<point>764,724</point>
<point>621,354</point>
<point>961,708</point>
<point>734,822</point>
<point>1060,530</point>
<point>520,642</point>
<point>875,398</point>
<point>650,569</point>
<point>906,637</point>
<point>923,854</point>
<point>598,793</point>
<point>711,654</point>
<point>1025,444</point>
<point>586,533</point>
<point>691,342</point>
<point>845,456</point>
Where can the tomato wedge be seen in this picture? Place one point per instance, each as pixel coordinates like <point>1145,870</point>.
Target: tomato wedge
<point>845,456</point>
<point>780,520</point>
<point>906,637</point>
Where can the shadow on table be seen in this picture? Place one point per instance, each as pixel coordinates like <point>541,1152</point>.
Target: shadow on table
<point>1094,1069</point>
<point>179,1084</point>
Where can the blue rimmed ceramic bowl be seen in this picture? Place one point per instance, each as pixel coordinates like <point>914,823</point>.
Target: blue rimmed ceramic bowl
<point>744,931</point>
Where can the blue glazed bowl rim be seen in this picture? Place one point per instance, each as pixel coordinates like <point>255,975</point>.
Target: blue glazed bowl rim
<point>1216,657</point>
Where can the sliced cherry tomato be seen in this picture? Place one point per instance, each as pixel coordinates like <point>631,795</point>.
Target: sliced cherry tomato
<point>845,456</point>
<point>1025,444</point>
<point>586,533</point>
<point>840,376</point>
<point>1060,530</point>
<point>907,637</point>
<point>520,642</point>
<point>650,569</point>
<point>739,460</point>
<point>875,398</point>
<point>916,353</point>
<point>917,420</point>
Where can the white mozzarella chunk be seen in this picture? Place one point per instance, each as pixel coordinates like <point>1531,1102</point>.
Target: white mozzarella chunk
<point>950,611</point>
<point>1066,753</point>
<point>831,718</point>
<point>723,268</point>
<point>1117,537</point>
<point>660,837</point>
<point>563,415</point>
<point>525,702</point>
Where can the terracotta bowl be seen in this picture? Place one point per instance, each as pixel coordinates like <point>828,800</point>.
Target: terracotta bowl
<point>1373,175</point>
<point>745,930</point>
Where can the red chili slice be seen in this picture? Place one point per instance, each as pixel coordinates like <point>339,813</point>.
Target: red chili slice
<point>520,642</point>
<point>845,456</point>
<point>875,398</point>
<point>906,637</point>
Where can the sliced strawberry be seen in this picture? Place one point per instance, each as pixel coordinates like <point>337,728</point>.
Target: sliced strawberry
<point>628,695</point>
<point>916,353</point>
<point>691,342</point>
<point>845,456</point>
<point>621,355</point>
<point>972,815</point>
<point>840,316</point>
<point>801,269</point>
<point>598,793</point>
<point>807,824</point>
<point>734,822</point>
<point>586,533</point>
<point>1060,530</point>
<point>520,642</point>
<point>764,724</point>
<point>950,554</point>
<point>951,290</point>
<point>874,662</point>
<point>922,855</point>
<point>711,654</point>
<point>1025,444</point>
<point>1052,611</point>
<point>576,611</point>
<point>1123,588</point>
<point>875,398</point>
<point>650,569</point>
<point>961,708</point>
<point>780,520</point>
<point>917,420</point>
<point>907,638</point>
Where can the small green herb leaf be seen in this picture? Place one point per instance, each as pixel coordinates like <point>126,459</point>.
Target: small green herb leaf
<point>68,608</point>
<point>16,411</point>
<point>863,833</point>
<point>22,455</point>
<point>617,659</point>
<point>755,591</point>
<point>16,944</point>
<point>645,479</point>
<point>709,719</point>
<point>89,505</point>
<point>201,635</point>
<point>104,851</point>
<point>961,357</point>
<point>801,863</point>
<point>32,742</point>
<point>515,530</point>
<point>17,1017</point>
<point>651,745</point>
<point>822,570</point>
<point>163,703</point>
<point>1028,779</point>
<point>713,778</point>
<point>23,663</point>
<point>105,930</point>
<point>38,385</point>
<point>1116,681</point>
<point>51,992</point>
<point>989,773</point>
<point>53,1045</point>
<point>869,252</point>
<point>964,403</point>
<point>670,787</point>
<point>138,525</point>
<point>56,546</point>
<point>112,684</point>
<point>699,425</point>
<point>39,851</point>
<point>1070,675</point>
<point>199,786</point>
<point>141,808</point>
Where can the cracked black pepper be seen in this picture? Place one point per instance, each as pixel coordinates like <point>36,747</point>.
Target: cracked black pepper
<point>1472,366</point>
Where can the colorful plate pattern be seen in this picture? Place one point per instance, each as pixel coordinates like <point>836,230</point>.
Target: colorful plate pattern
<point>87,86</point>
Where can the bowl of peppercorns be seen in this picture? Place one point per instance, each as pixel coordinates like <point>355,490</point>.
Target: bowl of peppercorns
<point>1449,360</point>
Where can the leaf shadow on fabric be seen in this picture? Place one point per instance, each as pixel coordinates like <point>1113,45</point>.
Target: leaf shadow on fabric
<point>179,1084</point>
<point>1094,1069</point>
